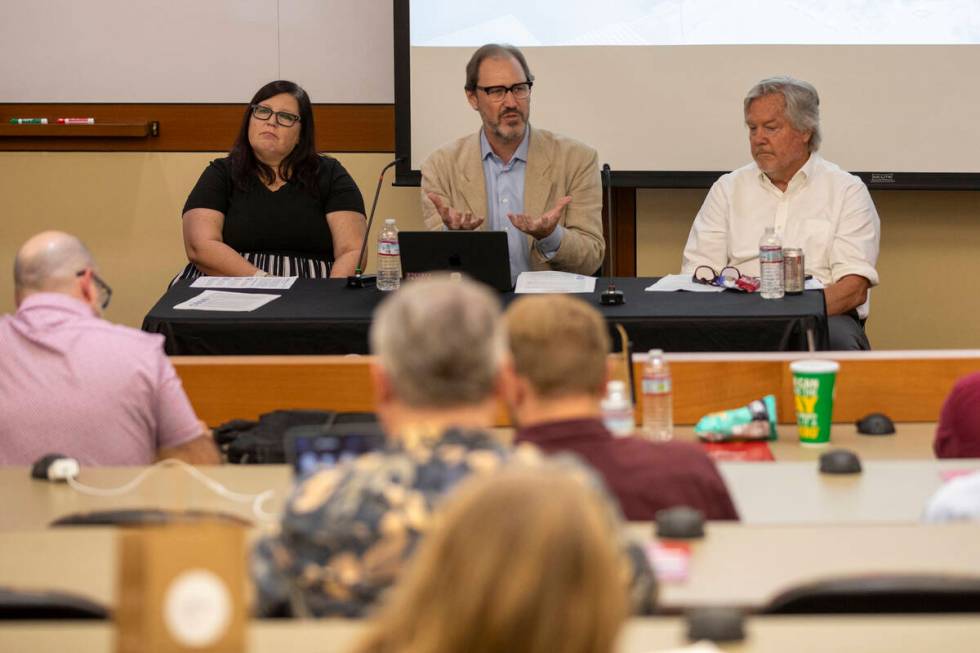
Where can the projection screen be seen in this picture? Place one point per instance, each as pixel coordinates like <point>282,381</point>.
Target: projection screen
<point>656,86</point>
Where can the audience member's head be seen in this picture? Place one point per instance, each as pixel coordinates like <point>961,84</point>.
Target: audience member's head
<point>958,431</point>
<point>440,347</point>
<point>559,345</point>
<point>526,561</point>
<point>56,262</point>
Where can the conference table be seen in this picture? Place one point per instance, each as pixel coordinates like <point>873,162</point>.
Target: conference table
<point>738,565</point>
<point>765,493</point>
<point>323,316</point>
<point>764,634</point>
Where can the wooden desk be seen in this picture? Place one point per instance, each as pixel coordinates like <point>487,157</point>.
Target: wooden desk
<point>749,565</point>
<point>909,386</point>
<point>911,441</point>
<point>858,634</point>
<point>797,493</point>
<point>32,504</point>
<point>765,493</point>
<point>734,564</point>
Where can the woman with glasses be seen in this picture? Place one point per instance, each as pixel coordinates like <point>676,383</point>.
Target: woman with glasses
<point>273,206</point>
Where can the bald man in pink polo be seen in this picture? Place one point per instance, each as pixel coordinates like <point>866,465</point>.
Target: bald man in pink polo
<point>75,384</point>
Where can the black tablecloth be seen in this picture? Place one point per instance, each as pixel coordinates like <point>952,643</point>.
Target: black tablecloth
<point>322,316</point>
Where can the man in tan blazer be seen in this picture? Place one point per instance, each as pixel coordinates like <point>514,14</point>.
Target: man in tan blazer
<point>543,189</point>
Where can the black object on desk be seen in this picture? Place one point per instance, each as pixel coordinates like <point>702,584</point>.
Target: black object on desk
<point>318,316</point>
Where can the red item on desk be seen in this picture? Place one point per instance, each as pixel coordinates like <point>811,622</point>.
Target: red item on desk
<point>670,560</point>
<point>740,451</point>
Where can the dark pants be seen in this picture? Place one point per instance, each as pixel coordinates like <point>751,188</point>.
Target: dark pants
<point>847,332</point>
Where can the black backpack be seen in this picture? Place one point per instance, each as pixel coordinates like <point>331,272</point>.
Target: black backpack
<point>263,442</point>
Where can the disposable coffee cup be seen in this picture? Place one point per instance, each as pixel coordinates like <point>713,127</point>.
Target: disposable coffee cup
<point>813,396</point>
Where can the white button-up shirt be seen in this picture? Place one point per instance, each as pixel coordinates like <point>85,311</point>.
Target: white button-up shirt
<point>825,211</point>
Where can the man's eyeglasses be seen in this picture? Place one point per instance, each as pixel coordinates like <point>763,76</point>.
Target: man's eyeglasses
<point>105,292</point>
<point>729,277</point>
<point>284,118</point>
<point>498,93</point>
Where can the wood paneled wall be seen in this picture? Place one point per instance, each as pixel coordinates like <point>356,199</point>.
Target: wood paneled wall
<point>194,127</point>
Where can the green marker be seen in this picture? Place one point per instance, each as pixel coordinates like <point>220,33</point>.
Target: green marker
<point>28,121</point>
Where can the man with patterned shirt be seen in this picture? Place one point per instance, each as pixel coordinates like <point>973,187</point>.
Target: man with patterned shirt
<point>441,366</point>
<point>346,531</point>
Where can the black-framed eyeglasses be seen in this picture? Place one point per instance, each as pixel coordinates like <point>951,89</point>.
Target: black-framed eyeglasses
<point>284,118</point>
<point>105,292</point>
<point>706,275</point>
<point>520,91</point>
<point>729,278</point>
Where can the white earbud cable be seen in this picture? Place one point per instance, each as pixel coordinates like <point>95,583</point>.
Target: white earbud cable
<point>257,500</point>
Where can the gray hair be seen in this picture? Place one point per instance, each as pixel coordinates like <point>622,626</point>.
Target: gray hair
<point>50,261</point>
<point>802,103</point>
<point>441,342</point>
<point>493,51</point>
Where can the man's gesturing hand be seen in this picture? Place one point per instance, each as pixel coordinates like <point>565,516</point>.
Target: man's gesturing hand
<point>452,218</point>
<point>540,227</point>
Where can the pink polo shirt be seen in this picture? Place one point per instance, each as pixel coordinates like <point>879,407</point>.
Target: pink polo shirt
<point>72,383</point>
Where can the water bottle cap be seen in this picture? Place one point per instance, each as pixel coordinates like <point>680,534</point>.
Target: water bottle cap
<point>655,352</point>
<point>389,221</point>
<point>615,387</point>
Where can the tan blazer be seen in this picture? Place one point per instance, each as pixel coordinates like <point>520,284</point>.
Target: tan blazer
<point>556,166</point>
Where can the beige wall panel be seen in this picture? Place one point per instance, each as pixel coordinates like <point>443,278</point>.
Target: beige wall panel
<point>126,207</point>
<point>930,256</point>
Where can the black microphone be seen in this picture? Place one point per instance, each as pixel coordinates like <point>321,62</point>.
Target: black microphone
<point>359,280</point>
<point>611,296</point>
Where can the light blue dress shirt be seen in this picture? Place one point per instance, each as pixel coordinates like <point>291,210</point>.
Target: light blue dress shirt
<point>505,194</point>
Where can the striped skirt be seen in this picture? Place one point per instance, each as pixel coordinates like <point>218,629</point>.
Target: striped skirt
<point>277,265</point>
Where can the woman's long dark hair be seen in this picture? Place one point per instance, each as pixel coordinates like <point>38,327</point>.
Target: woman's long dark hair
<point>300,166</point>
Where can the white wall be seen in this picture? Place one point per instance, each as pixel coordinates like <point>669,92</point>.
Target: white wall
<point>194,50</point>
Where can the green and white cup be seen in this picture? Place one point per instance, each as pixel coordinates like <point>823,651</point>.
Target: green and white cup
<point>813,396</point>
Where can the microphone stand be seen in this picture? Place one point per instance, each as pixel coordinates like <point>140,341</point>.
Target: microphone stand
<point>358,279</point>
<point>611,296</point>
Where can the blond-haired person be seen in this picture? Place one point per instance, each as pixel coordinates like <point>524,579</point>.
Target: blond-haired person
<point>559,346</point>
<point>528,561</point>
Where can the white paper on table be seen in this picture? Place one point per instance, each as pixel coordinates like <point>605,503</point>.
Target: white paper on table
<point>218,300</point>
<point>259,283</point>
<point>673,282</point>
<point>553,282</point>
<point>813,284</point>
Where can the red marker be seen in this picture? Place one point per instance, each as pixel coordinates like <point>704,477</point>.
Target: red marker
<point>76,121</point>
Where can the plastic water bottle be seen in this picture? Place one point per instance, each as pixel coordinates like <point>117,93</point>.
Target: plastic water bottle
<point>658,398</point>
<point>389,257</point>
<point>771,265</point>
<point>617,410</point>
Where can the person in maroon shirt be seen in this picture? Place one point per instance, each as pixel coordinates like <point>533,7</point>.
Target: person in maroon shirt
<point>560,346</point>
<point>958,431</point>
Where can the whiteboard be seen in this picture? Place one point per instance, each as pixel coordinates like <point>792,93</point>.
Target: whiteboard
<point>206,51</point>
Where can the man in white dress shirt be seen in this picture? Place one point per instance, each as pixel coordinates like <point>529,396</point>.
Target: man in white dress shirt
<point>811,203</point>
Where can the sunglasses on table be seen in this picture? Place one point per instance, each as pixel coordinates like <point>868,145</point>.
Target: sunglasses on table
<point>729,278</point>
